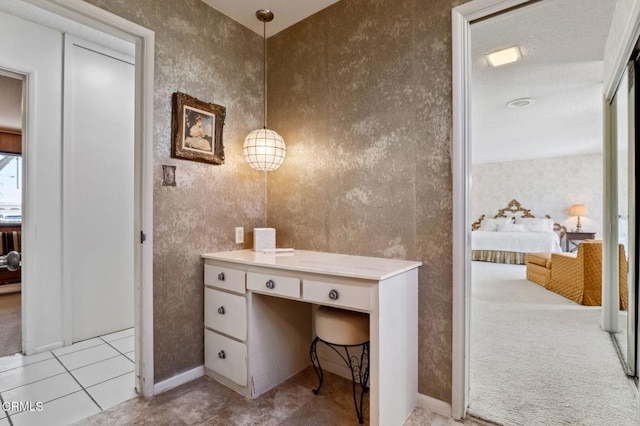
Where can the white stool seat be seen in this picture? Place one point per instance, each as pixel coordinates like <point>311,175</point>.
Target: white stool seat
<point>342,327</point>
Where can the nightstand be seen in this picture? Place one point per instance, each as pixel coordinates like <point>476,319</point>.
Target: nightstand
<point>572,239</point>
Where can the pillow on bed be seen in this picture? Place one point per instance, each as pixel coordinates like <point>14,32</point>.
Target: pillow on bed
<point>492,225</point>
<point>511,227</point>
<point>536,225</point>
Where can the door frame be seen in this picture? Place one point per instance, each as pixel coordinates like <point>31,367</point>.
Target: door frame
<point>632,252</point>
<point>462,16</point>
<point>23,77</point>
<point>144,40</point>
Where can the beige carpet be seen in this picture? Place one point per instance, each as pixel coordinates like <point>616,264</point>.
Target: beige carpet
<point>540,359</point>
<point>10,324</point>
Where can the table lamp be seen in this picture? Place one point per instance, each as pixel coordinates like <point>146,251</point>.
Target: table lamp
<point>578,210</point>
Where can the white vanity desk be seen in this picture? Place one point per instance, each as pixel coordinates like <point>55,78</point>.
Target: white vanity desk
<point>254,342</point>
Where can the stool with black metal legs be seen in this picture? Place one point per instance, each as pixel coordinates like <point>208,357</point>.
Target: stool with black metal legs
<point>348,331</point>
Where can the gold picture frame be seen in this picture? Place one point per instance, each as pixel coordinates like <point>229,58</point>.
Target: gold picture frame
<point>196,129</point>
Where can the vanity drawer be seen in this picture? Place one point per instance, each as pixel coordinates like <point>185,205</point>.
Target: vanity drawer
<point>348,296</point>
<point>226,313</point>
<point>224,278</point>
<point>225,356</point>
<point>273,284</point>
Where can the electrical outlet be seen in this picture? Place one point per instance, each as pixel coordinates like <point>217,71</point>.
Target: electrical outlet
<point>239,235</point>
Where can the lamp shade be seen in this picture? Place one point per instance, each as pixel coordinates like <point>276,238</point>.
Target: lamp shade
<point>264,149</point>
<point>578,210</point>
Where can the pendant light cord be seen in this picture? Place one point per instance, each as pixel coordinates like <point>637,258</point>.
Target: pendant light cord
<point>264,73</point>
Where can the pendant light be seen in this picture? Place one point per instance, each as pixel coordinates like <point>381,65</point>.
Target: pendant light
<point>264,149</point>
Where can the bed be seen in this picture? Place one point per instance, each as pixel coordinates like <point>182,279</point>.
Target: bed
<point>513,232</point>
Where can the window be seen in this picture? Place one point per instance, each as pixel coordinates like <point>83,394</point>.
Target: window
<point>10,188</point>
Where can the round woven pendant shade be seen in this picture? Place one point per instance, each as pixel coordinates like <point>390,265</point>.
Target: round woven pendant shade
<point>264,149</point>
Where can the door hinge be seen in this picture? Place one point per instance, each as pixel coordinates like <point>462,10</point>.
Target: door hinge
<point>143,237</point>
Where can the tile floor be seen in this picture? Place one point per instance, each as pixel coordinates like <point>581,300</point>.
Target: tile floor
<point>73,383</point>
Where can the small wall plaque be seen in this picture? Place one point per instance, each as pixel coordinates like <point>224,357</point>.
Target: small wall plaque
<point>168,175</point>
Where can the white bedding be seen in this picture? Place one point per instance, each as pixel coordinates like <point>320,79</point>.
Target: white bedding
<point>519,242</point>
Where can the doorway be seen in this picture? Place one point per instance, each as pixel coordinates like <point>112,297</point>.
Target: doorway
<point>11,183</point>
<point>463,16</point>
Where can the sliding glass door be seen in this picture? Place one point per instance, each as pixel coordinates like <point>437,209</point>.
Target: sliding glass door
<point>626,274</point>
<point>632,229</point>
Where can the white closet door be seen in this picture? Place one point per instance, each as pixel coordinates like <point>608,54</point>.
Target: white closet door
<point>98,188</point>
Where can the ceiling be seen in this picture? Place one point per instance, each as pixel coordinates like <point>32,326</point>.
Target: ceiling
<point>286,12</point>
<point>562,42</point>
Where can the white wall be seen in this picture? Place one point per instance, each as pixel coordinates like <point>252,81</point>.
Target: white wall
<point>545,186</point>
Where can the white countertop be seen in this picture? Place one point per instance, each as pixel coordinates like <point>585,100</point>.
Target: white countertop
<point>368,268</point>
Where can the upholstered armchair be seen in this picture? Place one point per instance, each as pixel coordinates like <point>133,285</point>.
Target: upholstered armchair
<point>579,276</point>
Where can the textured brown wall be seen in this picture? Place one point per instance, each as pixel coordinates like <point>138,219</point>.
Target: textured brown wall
<point>361,93</point>
<point>207,55</point>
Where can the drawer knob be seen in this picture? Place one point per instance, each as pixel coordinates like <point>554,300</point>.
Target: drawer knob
<point>334,295</point>
<point>270,284</point>
<point>222,355</point>
<point>221,276</point>
<point>221,310</point>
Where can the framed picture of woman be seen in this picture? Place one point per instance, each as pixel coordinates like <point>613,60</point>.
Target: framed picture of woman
<point>196,130</point>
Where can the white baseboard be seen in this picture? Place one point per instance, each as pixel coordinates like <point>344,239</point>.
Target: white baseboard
<point>46,348</point>
<point>435,405</point>
<point>178,379</point>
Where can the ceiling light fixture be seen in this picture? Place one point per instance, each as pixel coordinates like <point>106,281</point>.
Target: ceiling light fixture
<point>521,103</point>
<point>504,56</point>
<point>264,149</point>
